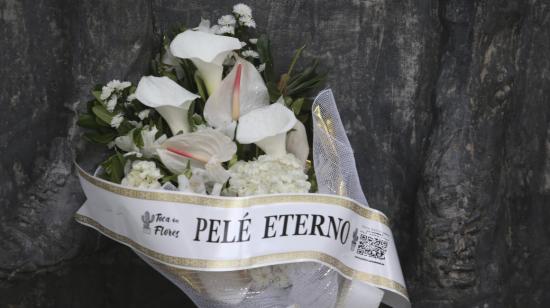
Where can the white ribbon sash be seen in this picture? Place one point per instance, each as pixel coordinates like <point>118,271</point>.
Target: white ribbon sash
<point>208,233</point>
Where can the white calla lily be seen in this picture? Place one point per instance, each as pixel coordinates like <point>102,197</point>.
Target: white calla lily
<point>170,100</point>
<point>251,94</point>
<point>202,148</point>
<point>207,51</point>
<point>267,128</point>
<point>297,144</point>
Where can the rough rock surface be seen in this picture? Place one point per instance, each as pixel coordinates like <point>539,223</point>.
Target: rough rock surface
<point>447,104</point>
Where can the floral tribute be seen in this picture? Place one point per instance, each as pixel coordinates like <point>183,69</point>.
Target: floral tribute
<point>214,120</point>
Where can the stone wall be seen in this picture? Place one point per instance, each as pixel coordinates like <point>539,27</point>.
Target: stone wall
<point>447,104</point>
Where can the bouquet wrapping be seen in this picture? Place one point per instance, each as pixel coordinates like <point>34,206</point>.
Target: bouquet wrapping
<point>222,198</point>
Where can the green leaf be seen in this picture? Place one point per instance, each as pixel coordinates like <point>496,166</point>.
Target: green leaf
<point>137,137</point>
<point>264,50</point>
<point>97,94</point>
<point>101,138</point>
<point>87,121</point>
<point>102,113</point>
<point>297,105</point>
<point>114,167</point>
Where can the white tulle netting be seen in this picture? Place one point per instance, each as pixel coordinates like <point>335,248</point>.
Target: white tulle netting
<point>305,284</point>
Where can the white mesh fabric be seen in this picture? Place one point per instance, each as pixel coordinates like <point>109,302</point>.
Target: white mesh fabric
<point>332,153</point>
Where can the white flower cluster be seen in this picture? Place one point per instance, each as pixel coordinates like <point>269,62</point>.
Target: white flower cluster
<point>226,23</point>
<point>113,86</point>
<point>268,175</point>
<point>244,13</point>
<point>266,276</point>
<point>150,142</point>
<point>117,120</point>
<point>144,174</point>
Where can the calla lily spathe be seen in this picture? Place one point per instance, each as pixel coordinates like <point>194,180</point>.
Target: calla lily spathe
<point>204,148</point>
<point>170,100</point>
<point>252,95</point>
<point>267,128</point>
<point>207,51</point>
<point>296,142</point>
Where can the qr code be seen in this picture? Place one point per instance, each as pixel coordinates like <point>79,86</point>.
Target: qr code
<point>370,246</point>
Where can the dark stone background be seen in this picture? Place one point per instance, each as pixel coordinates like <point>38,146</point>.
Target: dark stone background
<point>447,105</point>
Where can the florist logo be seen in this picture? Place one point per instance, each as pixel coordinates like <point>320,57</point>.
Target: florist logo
<point>160,224</point>
<point>147,219</point>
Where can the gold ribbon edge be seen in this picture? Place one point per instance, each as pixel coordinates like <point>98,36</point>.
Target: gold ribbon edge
<point>258,261</point>
<point>234,202</point>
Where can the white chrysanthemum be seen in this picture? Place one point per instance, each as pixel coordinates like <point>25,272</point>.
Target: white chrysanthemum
<point>226,30</point>
<point>250,53</point>
<point>261,67</point>
<point>106,91</point>
<point>142,115</point>
<point>144,174</point>
<point>247,21</point>
<point>117,85</point>
<point>113,86</point>
<point>111,103</point>
<point>227,20</point>
<point>268,175</point>
<point>253,41</point>
<point>242,10</point>
<point>117,120</point>
<point>243,44</point>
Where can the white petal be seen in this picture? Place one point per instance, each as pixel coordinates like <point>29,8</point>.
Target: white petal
<point>176,117</point>
<point>173,162</point>
<point>211,74</point>
<point>272,123</point>
<point>170,99</point>
<point>203,46</point>
<point>253,95</point>
<point>207,51</point>
<point>296,142</point>
<point>207,145</point>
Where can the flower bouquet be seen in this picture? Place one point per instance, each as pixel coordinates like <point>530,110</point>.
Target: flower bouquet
<point>210,178</point>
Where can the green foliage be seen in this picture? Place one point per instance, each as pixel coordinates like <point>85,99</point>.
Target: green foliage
<point>114,168</point>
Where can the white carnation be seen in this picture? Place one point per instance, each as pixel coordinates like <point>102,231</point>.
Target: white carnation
<point>144,174</point>
<point>250,53</point>
<point>268,175</point>
<point>117,120</point>
<point>227,20</point>
<point>242,10</point>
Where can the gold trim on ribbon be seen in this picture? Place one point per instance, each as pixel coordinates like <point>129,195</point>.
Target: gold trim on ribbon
<point>248,262</point>
<point>235,202</point>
